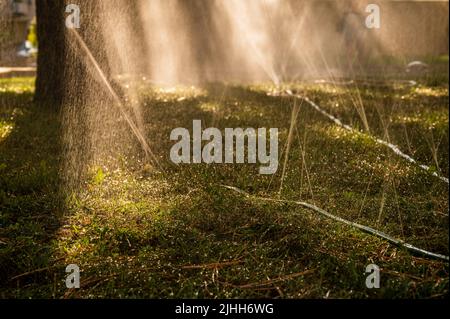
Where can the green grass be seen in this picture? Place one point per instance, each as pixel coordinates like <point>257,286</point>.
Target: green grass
<point>138,233</point>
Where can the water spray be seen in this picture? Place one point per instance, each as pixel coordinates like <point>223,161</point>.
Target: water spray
<point>391,146</point>
<point>134,128</point>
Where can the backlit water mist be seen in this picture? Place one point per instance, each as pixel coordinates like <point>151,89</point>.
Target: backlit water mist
<point>190,42</point>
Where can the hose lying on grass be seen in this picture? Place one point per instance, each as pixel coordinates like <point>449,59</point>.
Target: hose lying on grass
<point>366,229</point>
<point>371,83</point>
<point>393,147</point>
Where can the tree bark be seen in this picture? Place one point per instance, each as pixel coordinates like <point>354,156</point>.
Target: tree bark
<point>64,75</point>
<point>52,52</point>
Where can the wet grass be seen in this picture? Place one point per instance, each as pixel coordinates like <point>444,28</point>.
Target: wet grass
<point>138,233</point>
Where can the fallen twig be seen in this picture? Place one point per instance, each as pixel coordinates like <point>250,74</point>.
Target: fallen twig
<point>270,281</point>
<point>35,271</point>
<point>213,265</point>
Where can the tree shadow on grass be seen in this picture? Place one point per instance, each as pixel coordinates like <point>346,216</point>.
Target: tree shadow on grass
<point>175,235</point>
<point>31,202</point>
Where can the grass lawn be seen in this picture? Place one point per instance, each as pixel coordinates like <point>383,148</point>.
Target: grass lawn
<point>139,233</point>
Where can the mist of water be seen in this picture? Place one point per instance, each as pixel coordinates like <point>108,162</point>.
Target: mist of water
<point>171,42</point>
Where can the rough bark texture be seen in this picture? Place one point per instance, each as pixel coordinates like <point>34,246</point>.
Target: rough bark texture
<point>52,52</point>
<point>64,73</point>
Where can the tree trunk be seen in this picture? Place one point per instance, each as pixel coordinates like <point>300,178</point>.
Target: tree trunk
<point>52,52</point>
<point>64,73</point>
<point>68,83</point>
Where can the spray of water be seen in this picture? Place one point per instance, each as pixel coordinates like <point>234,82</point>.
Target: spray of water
<point>176,42</point>
<point>118,101</point>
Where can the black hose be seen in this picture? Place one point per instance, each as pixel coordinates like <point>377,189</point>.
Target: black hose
<point>366,229</point>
